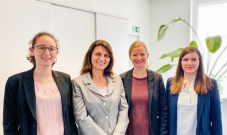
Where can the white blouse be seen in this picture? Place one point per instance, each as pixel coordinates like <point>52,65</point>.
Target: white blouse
<point>48,109</point>
<point>187,110</point>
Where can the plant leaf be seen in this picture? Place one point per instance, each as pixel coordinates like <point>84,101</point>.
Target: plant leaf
<point>193,43</point>
<point>164,68</point>
<point>213,43</point>
<point>173,54</point>
<point>164,28</point>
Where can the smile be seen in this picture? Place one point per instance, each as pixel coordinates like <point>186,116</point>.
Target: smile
<point>101,63</point>
<point>46,58</point>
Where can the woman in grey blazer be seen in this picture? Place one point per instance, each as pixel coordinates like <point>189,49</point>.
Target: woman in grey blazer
<point>38,101</point>
<point>145,93</point>
<point>99,103</point>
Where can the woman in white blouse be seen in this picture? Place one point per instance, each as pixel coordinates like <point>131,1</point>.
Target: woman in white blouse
<point>38,101</point>
<point>193,98</point>
<point>99,103</point>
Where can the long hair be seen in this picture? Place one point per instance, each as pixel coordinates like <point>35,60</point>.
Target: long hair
<point>87,65</point>
<point>32,43</point>
<point>202,82</point>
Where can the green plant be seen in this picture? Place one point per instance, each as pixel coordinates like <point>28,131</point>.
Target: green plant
<point>212,45</point>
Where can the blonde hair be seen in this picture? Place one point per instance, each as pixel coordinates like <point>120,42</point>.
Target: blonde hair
<point>137,44</point>
<point>202,82</point>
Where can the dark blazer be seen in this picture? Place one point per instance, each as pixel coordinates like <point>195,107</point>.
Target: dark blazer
<point>157,100</point>
<point>208,111</point>
<point>19,111</point>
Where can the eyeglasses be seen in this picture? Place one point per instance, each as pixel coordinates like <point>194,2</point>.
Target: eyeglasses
<point>43,49</point>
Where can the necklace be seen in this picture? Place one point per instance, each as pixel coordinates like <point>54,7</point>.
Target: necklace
<point>100,80</point>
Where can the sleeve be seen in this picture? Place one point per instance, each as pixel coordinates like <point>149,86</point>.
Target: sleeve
<point>216,111</point>
<point>163,111</point>
<point>10,113</point>
<point>73,128</point>
<point>123,120</point>
<point>84,121</point>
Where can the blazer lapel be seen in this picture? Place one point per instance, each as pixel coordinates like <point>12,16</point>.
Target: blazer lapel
<point>173,108</point>
<point>29,90</point>
<point>110,85</point>
<point>199,109</point>
<point>150,84</point>
<point>62,86</point>
<point>88,81</point>
<point>128,86</point>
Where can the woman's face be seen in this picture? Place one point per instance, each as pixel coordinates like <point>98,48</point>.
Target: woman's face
<point>139,57</point>
<point>100,58</point>
<point>44,58</point>
<point>190,63</point>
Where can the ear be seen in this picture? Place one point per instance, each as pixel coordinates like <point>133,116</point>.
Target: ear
<point>32,51</point>
<point>147,55</point>
<point>129,57</point>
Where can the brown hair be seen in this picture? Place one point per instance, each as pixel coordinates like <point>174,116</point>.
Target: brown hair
<point>33,42</point>
<point>202,82</point>
<point>87,65</point>
<point>137,44</point>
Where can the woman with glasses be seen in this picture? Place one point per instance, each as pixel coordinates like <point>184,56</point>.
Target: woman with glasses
<point>38,101</point>
<point>99,103</point>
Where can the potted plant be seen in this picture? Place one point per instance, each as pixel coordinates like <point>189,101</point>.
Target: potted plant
<point>212,46</point>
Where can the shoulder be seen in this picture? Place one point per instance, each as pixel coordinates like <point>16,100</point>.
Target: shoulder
<point>213,81</point>
<point>116,77</point>
<point>123,75</point>
<point>215,85</point>
<point>62,74</point>
<point>79,79</point>
<point>20,75</point>
<point>151,72</point>
<point>154,76</point>
<point>169,79</point>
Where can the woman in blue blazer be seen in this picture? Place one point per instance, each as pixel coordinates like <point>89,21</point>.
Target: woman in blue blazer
<point>145,94</point>
<point>193,98</point>
<point>38,101</point>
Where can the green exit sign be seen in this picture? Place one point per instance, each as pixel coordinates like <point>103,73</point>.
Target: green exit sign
<point>136,29</point>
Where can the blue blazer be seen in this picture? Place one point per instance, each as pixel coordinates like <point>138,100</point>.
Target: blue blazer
<point>208,111</point>
<point>158,111</point>
<point>19,110</point>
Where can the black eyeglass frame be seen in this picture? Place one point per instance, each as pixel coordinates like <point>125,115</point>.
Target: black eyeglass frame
<point>55,49</point>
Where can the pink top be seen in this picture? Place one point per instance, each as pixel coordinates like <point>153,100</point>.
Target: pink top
<point>48,109</point>
<point>139,114</point>
<point>103,90</point>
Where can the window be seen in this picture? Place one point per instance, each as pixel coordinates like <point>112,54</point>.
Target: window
<point>212,21</point>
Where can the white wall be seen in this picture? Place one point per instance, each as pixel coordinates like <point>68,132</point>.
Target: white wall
<point>20,20</point>
<point>162,12</point>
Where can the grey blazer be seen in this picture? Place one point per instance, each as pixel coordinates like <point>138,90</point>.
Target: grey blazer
<point>157,100</point>
<point>98,115</point>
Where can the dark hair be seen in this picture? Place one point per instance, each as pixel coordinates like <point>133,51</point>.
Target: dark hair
<point>202,82</point>
<point>87,65</point>
<point>33,42</point>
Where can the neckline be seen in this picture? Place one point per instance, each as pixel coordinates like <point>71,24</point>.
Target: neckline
<point>139,78</point>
